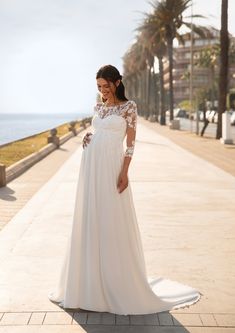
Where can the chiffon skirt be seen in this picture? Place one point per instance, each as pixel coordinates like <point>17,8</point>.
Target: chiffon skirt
<point>104,266</point>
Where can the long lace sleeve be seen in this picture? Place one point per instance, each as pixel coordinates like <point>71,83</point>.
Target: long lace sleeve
<point>131,119</point>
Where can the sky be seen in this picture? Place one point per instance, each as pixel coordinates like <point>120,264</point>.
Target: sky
<point>51,50</point>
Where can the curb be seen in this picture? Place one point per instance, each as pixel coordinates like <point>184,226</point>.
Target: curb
<point>16,169</point>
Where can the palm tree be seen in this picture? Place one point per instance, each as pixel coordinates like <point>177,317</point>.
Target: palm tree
<point>223,76</point>
<point>131,66</point>
<point>149,58</point>
<point>208,58</point>
<point>169,17</point>
<point>135,64</point>
<point>154,41</point>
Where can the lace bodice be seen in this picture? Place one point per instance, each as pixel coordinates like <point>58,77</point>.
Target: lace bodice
<point>128,111</point>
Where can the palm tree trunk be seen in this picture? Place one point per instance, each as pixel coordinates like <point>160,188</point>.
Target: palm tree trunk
<point>151,95</point>
<point>141,94</point>
<point>156,96</point>
<point>148,74</point>
<point>223,76</point>
<point>145,80</point>
<point>162,93</point>
<point>171,93</point>
<point>212,83</point>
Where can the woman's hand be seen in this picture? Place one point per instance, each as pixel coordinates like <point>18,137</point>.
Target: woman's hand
<point>122,182</point>
<point>86,139</point>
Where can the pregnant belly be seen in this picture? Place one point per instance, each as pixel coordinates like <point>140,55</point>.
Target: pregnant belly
<point>103,158</point>
<point>106,141</point>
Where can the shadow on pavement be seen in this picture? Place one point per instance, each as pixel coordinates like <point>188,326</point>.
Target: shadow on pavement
<point>92,321</point>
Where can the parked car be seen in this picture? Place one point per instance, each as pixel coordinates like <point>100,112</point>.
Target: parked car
<point>232,118</point>
<point>200,115</point>
<point>208,113</point>
<point>212,116</point>
<point>216,117</point>
<point>183,114</point>
<point>180,113</point>
<point>174,112</point>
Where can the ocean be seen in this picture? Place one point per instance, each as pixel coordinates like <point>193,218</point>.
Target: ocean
<point>15,126</point>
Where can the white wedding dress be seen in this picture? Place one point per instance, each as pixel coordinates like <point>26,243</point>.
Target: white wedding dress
<point>104,267</point>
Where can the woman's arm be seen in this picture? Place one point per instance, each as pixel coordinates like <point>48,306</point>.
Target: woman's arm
<point>131,118</point>
<point>87,137</point>
<point>130,144</point>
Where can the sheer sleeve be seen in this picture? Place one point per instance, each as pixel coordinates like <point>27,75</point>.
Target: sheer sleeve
<point>96,107</point>
<point>131,119</point>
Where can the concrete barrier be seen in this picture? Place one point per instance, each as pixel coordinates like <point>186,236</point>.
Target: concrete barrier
<point>175,124</point>
<point>7,174</point>
<point>226,129</point>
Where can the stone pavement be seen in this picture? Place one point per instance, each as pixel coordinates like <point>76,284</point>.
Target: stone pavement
<point>206,147</point>
<point>185,210</point>
<point>21,189</point>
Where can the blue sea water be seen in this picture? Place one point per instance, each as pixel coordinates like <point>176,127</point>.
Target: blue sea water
<point>15,126</point>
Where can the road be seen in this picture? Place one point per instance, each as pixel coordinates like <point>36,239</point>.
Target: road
<point>186,125</point>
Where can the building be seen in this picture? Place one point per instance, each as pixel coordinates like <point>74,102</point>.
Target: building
<point>202,77</point>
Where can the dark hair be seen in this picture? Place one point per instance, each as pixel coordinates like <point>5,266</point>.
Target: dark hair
<point>111,73</point>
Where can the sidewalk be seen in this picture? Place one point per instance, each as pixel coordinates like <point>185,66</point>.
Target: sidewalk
<point>206,147</point>
<point>185,210</point>
<point>15,195</point>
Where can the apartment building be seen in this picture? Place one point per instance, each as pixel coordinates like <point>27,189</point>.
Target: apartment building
<point>181,70</point>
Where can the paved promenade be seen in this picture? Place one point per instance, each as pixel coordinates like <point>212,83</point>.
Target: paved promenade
<point>186,213</point>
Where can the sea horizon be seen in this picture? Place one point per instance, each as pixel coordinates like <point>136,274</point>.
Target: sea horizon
<point>16,126</point>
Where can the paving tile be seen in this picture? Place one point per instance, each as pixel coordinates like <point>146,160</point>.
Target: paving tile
<point>79,318</point>
<point>15,318</point>
<point>37,318</point>
<point>24,329</point>
<point>165,319</point>
<point>208,319</point>
<point>187,319</point>
<point>122,320</point>
<point>151,319</point>
<point>207,330</point>
<point>94,318</point>
<point>54,318</point>
<point>212,150</point>
<point>110,329</point>
<point>48,329</point>
<point>225,319</point>
<point>137,320</point>
<point>108,318</point>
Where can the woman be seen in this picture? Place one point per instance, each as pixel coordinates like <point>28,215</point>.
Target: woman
<point>104,268</point>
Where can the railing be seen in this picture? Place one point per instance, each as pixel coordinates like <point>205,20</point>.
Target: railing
<point>53,142</point>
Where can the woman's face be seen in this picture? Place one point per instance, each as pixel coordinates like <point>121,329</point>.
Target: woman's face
<point>107,88</point>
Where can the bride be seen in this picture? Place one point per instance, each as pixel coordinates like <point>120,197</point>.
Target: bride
<point>104,266</point>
